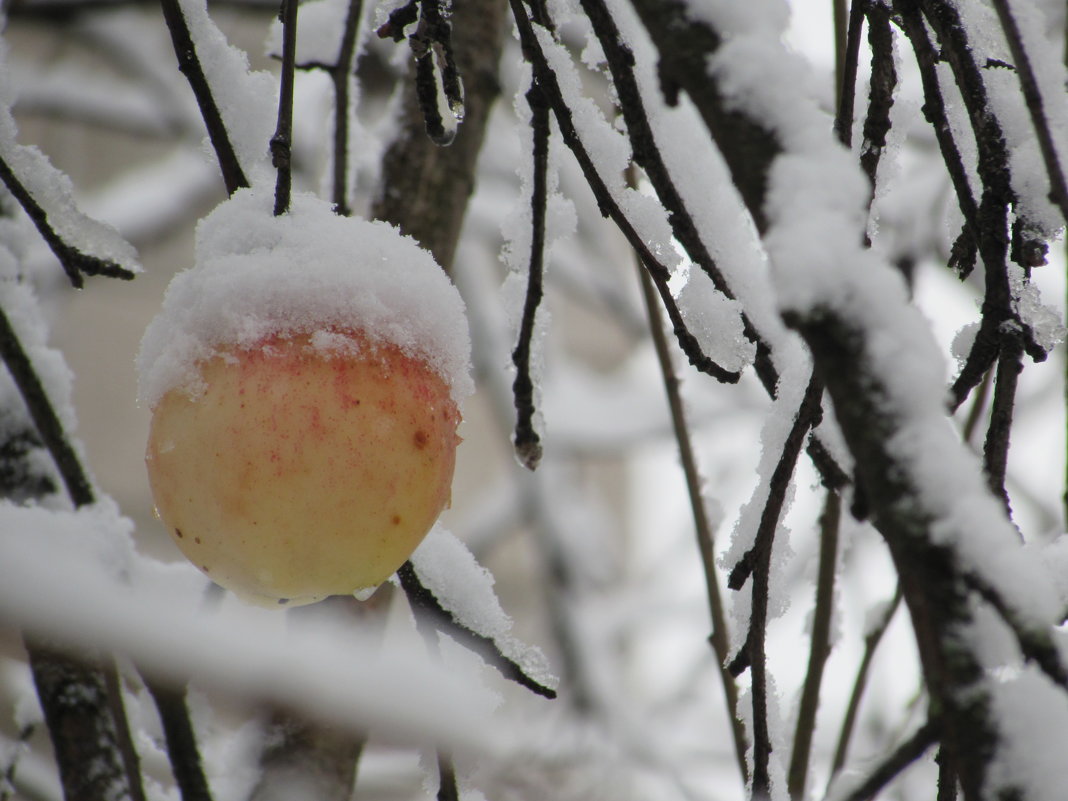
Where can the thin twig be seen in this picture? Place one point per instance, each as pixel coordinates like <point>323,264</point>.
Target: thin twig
<point>820,647</point>
<point>43,414</point>
<point>608,206</point>
<point>934,110</point>
<point>431,45</point>
<point>341,75</point>
<point>705,540</point>
<point>75,263</point>
<point>527,441</point>
<point>447,787</point>
<point>896,761</point>
<point>998,196</point>
<point>871,643</point>
<point>647,155</point>
<point>190,66</point>
<point>999,429</point>
<point>282,141</point>
<point>431,615</point>
<point>758,564</point>
<point>181,740</point>
<point>1033,96</point>
<point>882,84</point>
<point>1036,644</point>
<point>978,406</point>
<point>847,88</point>
<point>840,16</point>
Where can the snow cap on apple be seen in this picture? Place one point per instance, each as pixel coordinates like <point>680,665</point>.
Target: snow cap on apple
<point>305,380</point>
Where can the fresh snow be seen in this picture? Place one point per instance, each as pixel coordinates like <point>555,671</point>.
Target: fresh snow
<point>75,576</point>
<point>463,587</point>
<point>247,99</point>
<point>303,272</point>
<point>53,190</point>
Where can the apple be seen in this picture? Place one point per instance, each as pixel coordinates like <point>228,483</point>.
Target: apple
<point>303,465</point>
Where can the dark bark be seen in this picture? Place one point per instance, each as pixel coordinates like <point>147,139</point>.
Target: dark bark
<point>93,752</point>
<point>934,583</point>
<point>182,749</point>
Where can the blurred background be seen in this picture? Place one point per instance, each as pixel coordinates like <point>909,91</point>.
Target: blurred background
<point>594,555</point>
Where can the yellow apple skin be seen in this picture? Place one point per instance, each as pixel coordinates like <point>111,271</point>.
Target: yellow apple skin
<point>300,473</point>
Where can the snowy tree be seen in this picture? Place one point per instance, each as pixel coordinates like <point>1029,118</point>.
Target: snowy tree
<point>750,519</point>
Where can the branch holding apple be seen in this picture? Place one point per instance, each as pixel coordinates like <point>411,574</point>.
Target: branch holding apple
<point>305,383</point>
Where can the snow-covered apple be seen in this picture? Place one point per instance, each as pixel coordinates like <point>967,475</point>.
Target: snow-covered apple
<point>304,381</point>
<point>304,469</point>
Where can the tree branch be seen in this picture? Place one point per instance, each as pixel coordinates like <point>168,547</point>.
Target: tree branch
<point>44,415</point>
<point>996,447</point>
<point>75,263</point>
<point>527,441</point>
<point>190,66</point>
<point>341,76</point>
<point>431,615</point>
<point>896,761</point>
<point>871,642</point>
<point>820,647</point>
<point>757,563</point>
<point>282,141</point>
<point>1033,96</point>
<point>702,527</point>
<point>181,740</point>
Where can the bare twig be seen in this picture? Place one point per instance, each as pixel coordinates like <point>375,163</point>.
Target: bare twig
<point>1033,95</point>
<point>999,430</point>
<point>896,761</point>
<point>189,65</point>
<point>840,16</point>
<point>820,647</point>
<point>881,92</point>
<point>282,141</point>
<point>871,643</point>
<point>705,540</point>
<point>979,400</point>
<point>527,441</point>
<point>934,109</point>
<point>431,45</point>
<point>848,51</point>
<point>341,75</point>
<point>181,740</point>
